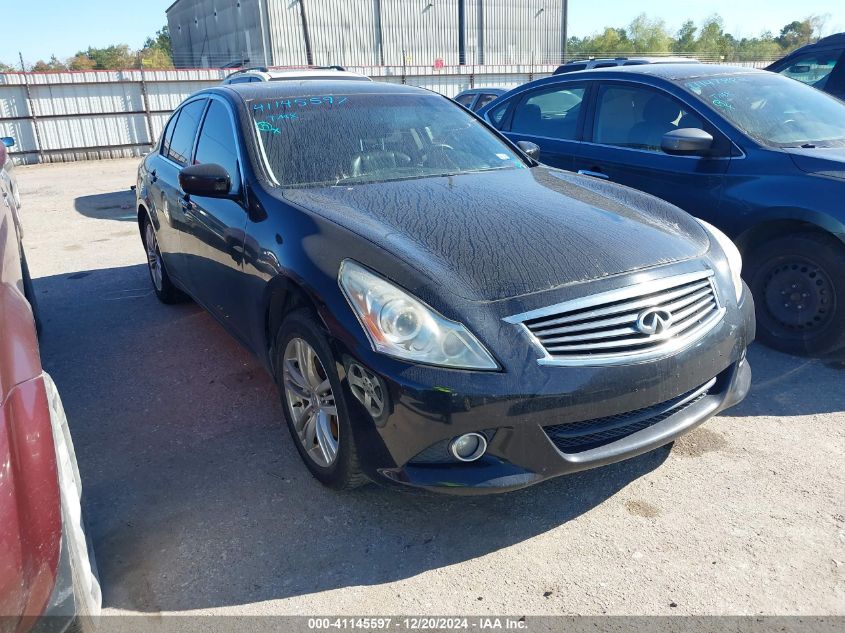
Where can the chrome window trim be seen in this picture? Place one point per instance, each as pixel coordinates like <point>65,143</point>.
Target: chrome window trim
<point>668,345</point>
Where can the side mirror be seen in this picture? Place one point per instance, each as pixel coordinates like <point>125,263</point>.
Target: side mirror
<point>532,150</point>
<point>205,181</point>
<point>8,141</point>
<point>687,142</point>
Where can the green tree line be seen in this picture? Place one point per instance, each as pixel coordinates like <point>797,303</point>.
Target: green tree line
<point>708,40</point>
<point>157,52</point>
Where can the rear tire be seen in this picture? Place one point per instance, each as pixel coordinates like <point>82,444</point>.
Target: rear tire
<point>324,439</point>
<point>798,283</point>
<point>163,287</point>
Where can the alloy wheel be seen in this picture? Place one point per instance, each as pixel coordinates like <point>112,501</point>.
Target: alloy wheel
<point>153,257</point>
<point>311,402</point>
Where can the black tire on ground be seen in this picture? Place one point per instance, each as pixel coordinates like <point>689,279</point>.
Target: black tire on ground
<point>166,291</point>
<point>344,473</point>
<point>798,283</point>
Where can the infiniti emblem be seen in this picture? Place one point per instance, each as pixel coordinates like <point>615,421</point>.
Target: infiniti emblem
<point>654,321</point>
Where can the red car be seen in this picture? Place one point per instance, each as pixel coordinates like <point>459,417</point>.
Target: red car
<point>47,568</point>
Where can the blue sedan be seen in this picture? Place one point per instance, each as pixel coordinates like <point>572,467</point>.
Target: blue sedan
<point>758,155</point>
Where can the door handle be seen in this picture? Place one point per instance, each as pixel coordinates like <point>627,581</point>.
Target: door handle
<point>153,176</point>
<point>594,174</point>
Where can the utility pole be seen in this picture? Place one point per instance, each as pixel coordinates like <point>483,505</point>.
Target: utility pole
<point>20,56</point>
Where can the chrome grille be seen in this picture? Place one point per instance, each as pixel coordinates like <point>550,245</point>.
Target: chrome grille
<point>627,325</point>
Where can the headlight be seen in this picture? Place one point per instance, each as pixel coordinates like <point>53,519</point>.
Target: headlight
<point>398,324</point>
<point>731,252</point>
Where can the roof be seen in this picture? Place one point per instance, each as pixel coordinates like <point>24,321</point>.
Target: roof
<point>294,88</point>
<point>671,72</point>
<point>837,39</point>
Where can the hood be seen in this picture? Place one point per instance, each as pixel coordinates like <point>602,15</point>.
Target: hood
<point>497,235</point>
<point>820,161</point>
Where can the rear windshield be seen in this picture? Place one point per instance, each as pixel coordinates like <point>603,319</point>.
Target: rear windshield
<point>774,110</point>
<point>319,140</point>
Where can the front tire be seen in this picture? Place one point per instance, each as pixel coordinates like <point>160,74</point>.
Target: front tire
<point>314,404</point>
<point>798,283</point>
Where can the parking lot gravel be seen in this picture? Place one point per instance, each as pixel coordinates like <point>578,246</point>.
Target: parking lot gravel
<point>198,502</point>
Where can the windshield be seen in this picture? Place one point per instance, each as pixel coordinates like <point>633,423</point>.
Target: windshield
<point>319,140</point>
<point>773,109</point>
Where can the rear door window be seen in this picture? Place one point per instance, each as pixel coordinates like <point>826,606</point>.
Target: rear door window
<point>185,132</point>
<point>483,100</point>
<point>167,135</point>
<point>465,100</point>
<point>550,112</point>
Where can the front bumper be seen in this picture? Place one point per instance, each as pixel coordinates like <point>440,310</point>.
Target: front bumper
<point>525,416</point>
<point>520,457</point>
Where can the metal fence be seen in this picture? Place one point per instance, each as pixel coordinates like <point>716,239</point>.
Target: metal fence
<point>69,116</point>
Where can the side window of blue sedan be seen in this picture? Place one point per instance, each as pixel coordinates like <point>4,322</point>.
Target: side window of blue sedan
<point>549,112</point>
<point>635,117</point>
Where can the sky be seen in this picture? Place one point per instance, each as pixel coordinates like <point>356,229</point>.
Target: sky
<point>62,27</point>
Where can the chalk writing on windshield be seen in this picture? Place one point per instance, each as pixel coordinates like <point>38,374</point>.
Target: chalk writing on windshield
<point>698,85</point>
<point>275,105</point>
<point>721,100</point>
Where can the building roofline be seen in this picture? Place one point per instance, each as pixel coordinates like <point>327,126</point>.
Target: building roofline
<point>168,9</point>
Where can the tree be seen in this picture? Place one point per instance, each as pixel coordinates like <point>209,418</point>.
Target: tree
<point>685,42</point>
<point>157,51</point>
<point>711,38</point>
<point>155,58</point>
<point>796,34</point>
<point>114,57</point>
<point>5,68</point>
<point>55,64</point>
<point>161,40</point>
<point>649,35</point>
<point>610,41</point>
<point>81,61</point>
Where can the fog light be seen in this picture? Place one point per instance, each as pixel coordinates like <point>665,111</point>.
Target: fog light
<point>469,447</point>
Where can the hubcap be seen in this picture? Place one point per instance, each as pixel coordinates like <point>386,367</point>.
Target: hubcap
<point>799,295</point>
<point>153,256</point>
<point>311,402</point>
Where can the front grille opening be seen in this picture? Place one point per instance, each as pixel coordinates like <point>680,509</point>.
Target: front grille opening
<point>607,326</point>
<point>577,437</point>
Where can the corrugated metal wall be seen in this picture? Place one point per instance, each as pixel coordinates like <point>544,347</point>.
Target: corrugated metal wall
<point>514,32</point>
<point>284,25</point>
<point>56,117</point>
<point>213,33</point>
<point>365,32</point>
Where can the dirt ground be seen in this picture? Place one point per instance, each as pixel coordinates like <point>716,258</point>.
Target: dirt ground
<point>198,502</point>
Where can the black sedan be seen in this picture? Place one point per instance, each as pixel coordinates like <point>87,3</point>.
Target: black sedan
<point>438,310</point>
<point>758,155</point>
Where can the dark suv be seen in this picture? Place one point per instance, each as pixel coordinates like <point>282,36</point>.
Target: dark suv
<point>821,65</point>
<point>437,309</point>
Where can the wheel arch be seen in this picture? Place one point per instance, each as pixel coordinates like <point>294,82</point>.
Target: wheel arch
<point>774,223</point>
<point>283,296</point>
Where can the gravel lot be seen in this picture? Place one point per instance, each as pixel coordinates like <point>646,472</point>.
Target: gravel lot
<point>198,501</point>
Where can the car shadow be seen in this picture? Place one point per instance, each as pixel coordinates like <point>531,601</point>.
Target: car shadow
<point>786,385</point>
<point>195,495</point>
<point>115,205</point>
